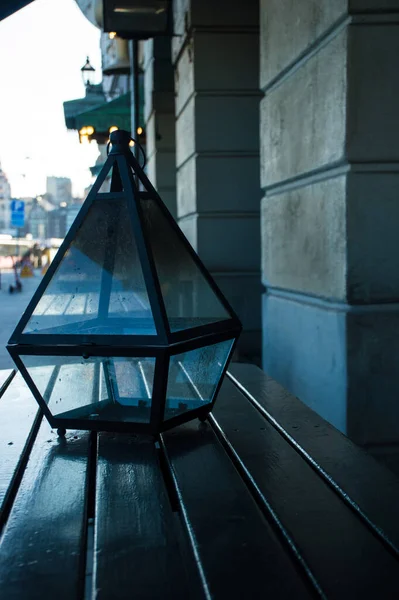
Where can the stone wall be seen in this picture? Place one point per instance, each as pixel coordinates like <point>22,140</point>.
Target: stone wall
<point>330,175</point>
<point>216,59</point>
<point>159,116</point>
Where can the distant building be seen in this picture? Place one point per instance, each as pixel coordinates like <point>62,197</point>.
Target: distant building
<point>72,211</point>
<point>60,190</point>
<point>38,219</point>
<point>57,222</point>
<point>5,197</point>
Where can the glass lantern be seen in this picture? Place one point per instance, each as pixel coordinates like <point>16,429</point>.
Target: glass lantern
<point>127,330</point>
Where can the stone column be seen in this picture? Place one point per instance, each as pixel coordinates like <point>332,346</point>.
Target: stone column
<point>159,116</point>
<point>216,57</point>
<point>330,213</point>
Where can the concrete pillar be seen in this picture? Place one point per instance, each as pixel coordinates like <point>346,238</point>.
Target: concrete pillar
<point>216,57</point>
<point>159,116</point>
<point>330,212</point>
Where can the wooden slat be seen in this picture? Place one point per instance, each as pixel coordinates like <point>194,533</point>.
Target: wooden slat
<point>322,525</point>
<point>5,375</point>
<point>366,484</point>
<point>18,415</point>
<point>42,549</point>
<point>137,554</point>
<point>238,552</point>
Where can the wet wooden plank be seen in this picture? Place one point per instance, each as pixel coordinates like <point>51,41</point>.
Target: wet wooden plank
<point>19,413</point>
<point>137,553</point>
<point>5,378</point>
<point>238,551</point>
<point>336,544</point>
<point>42,549</point>
<point>370,487</point>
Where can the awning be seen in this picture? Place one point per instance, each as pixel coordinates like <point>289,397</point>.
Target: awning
<point>9,7</point>
<point>116,112</point>
<point>73,108</point>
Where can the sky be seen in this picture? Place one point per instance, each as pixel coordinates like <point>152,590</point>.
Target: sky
<point>42,49</point>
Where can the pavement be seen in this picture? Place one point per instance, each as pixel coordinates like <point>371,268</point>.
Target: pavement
<point>11,308</point>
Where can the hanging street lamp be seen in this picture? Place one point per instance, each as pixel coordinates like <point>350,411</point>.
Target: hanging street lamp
<point>127,330</point>
<point>88,73</point>
<point>137,19</point>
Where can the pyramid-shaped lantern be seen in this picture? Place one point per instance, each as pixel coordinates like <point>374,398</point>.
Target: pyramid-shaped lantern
<point>127,330</point>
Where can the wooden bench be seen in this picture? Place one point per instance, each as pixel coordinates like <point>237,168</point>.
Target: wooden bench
<point>265,499</point>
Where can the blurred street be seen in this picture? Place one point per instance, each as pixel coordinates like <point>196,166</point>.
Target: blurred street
<point>11,308</point>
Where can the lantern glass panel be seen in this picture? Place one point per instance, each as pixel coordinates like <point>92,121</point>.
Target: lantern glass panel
<point>188,297</point>
<point>97,388</point>
<point>193,377</point>
<point>98,287</point>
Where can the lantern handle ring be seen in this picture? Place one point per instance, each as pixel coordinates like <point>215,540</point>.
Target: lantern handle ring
<point>140,147</point>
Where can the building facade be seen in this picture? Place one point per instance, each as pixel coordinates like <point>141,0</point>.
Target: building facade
<point>271,128</point>
<point>59,189</point>
<point>38,220</point>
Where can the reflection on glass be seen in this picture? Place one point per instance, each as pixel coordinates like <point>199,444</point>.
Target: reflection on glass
<point>98,288</point>
<point>193,378</point>
<point>97,388</point>
<point>188,297</point>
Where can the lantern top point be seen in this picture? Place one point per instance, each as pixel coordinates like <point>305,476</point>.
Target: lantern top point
<point>119,140</point>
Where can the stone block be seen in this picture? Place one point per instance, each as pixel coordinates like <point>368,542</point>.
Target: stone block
<point>188,14</point>
<point>186,185</point>
<point>161,169</point>
<point>185,133</point>
<point>168,196</point>
<point>304,239</point>
<point>158,87</point>
<point>150,131</point>
<point>373,379</point>
<point>373,240</point>
<point>148,90</point>
<point>289,28</point>
<point>219,183</point>
<point>243,291</point>
<point>228,183</point>
<point>227,123</point>
<point>373,117</point>
<point>148,52</point>
<point>304,348</point>
<point>226,61</point>
<point>181,19</point>
<point>209,124</point>
<point>341,363</point>
<point>303,121</point>
<point>184,78</point>
<point>224,243</point>
<point>160,133</point>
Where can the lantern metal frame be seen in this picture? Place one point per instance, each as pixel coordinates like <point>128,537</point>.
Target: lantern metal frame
<point>127,175</point>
